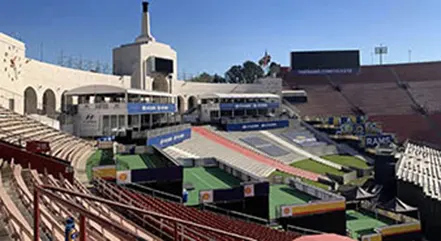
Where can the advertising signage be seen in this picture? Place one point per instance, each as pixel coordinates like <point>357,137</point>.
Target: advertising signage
<point>247,106</point>
<point>253,126</point>
<point>325,62</point>
<point>146,108</point>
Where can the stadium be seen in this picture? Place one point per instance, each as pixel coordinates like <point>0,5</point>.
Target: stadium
<point>325,149</point>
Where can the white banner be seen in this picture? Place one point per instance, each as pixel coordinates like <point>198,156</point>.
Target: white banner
<point>123,177</point>
<point>206,196</point>
<point>248,190</point>
<point>286,211</point>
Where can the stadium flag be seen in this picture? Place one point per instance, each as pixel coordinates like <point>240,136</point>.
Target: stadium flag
<point>248,190</point>
<point>265,60</point>
<point>206,196</point>
<point>123,177</point>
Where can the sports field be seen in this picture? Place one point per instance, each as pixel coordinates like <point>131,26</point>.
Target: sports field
<point>130,162</point>
<point>283,194</point>
<point>349,161</point>
<point>203,178</point>
<point>316,167</point>
<point>361,223</point>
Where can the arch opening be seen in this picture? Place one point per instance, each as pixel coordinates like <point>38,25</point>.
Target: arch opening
<point>192,102</point>
<point>160,83</point>
<point>181,104</point>
<point>30,101</point>
<point>49,103</point>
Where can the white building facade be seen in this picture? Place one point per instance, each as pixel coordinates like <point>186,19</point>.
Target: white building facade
<point>30,86</point>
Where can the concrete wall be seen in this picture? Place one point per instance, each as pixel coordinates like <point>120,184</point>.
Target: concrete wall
<point>131,63</point>
<point>41,76</point>
<point>126,61</point>
<point>155,49</point>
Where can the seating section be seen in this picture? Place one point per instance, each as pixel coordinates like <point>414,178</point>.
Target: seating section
<point>379,92</point>
<point>418,71</point>
<point>243,138</point>
<point>421,166</point>
<point>323,100</point>
<point>415,127</point>
<point>264,146</point>
<point>199,146</point>
<point>18,129</point>
<point>257,157</point>
<point>15,223</point>
<point>212,220</point>
<point>426,93</point>
<point>16,202</point>
<point>378,98</point>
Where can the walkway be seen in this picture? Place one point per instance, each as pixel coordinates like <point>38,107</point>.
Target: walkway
<point>255,156</point>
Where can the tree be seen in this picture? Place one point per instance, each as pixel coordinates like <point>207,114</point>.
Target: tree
<point>204,78</point>
<point>274,69</point>
<point>234,74</point>
<point>251,71</point>
<point>248,72</point>
<point>218,79</point>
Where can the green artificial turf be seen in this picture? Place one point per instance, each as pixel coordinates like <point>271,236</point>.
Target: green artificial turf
<point>316,167</point>
<point>310,182</point>
<point>361,223</point>
<point>349,161</point>
<point>285,195</point>
<point>130,162</point>
<point>203,178</point>
<point>93,161</point>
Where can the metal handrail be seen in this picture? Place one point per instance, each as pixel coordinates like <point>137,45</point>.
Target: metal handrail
<point>46,190</point>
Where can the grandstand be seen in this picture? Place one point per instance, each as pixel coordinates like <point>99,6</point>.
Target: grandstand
<point>203,217</point>
<point>255,165</point>
<point>393,95</point>
<point>18,129</point>
<point>418,177</point>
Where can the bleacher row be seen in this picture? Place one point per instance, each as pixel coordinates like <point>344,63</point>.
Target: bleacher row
<point>217,221</point>
<point>385,93</point>
<point>199,146</point>
<point>16,205</point>
<point>17,129</point>
<point>421,165</point>
<point>239,137</point>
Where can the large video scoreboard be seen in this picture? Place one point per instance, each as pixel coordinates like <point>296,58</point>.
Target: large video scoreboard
<point>325,62</point>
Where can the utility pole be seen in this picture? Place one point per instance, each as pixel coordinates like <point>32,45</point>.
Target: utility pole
<point>41,51</point>
<point>382,50</point>
<point>410,55</point>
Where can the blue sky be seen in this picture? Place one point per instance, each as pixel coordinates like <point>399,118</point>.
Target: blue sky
<point>211,35</point>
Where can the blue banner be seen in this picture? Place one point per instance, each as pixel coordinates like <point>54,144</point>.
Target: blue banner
<point>148,108</point>
<point>248,106</point>
<point>253,126</point>
<point>169,139</point>
<point>371,141</point>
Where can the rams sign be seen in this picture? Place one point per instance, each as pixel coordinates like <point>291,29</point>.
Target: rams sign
<point>371,141</point>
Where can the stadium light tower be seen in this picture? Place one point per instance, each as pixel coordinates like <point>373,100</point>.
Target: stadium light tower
<point>381,51</point>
